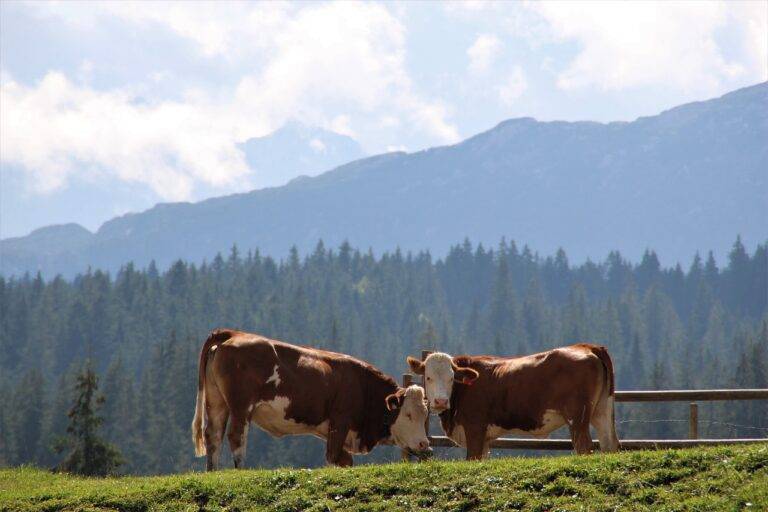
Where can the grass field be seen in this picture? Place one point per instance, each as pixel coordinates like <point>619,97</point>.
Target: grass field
<point>723,478</point>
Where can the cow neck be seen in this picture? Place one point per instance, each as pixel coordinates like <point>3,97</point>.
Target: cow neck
<point>378,420</point>
<point>448,418</point>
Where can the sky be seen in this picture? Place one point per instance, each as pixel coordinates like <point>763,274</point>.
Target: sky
<point>107,108</point>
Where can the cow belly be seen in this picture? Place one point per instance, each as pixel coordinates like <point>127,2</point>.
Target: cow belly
<point>551,421</point>
<point>270,416</point>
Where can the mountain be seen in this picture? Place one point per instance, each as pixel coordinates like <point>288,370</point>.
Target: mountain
<point>688,179</point>
<point>291,151</point>
<point>295,150</point>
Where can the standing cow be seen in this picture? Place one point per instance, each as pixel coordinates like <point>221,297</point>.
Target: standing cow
<point>289,389</point>
<point>481,398</point>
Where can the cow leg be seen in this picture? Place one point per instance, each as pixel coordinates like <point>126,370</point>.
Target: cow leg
<point>487,449</point>
<point>582,440</point>
<point>477,445</point>
<point>605,425</point>
<point>345,460</point>
<point>238,436</point>
<point>216,423</point>
<point>334,448</point>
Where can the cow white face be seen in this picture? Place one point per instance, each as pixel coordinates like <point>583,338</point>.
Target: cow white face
<point>440,372</point>
<point>408,429</point>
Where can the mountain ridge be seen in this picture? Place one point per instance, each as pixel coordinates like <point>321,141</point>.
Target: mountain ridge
<point>661,178</point>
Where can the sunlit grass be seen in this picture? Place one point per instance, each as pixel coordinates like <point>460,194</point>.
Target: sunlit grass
<point>724,478</point>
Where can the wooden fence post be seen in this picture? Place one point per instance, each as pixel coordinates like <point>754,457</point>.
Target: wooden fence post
<point>693,421</point>
<point>424,355</point>
<point>407,381</point>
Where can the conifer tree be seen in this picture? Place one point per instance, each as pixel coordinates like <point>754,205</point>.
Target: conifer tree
<point>87,454</point>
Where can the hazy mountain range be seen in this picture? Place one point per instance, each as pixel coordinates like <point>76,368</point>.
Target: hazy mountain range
<point>688,179</point>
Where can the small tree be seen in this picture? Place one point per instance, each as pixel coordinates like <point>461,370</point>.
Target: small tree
<point>88,454</point>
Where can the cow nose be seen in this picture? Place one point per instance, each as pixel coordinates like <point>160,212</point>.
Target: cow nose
<point>441,403</point>
<point>423,445</point>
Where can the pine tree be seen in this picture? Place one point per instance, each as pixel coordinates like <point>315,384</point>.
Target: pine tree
<point>87,453</point>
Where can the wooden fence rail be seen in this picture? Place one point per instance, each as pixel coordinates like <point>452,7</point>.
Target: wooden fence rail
<point>676,395</point>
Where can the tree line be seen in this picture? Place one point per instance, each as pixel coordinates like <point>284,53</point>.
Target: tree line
<point>705,325</point>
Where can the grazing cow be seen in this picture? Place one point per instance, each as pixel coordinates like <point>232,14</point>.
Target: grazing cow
<point>290,389</point>
<point>481,398</point>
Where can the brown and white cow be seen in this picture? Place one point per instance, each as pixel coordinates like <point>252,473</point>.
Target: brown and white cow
<point>290,389</point>
<point>481,398</point>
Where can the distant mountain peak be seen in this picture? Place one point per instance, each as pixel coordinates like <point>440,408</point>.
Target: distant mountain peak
<point>296,149</point>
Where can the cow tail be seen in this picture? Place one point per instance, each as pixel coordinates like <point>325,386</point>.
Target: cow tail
<point>216,336</point>
<point>602,354</point>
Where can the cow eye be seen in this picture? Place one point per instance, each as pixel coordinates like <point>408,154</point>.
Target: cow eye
<point>429,379</point>
<point>409,416</point>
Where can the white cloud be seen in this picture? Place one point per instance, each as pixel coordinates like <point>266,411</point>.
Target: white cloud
<point>317,145</point>
<point>308,63</point>
<point>56,128</point>
<point>342,51</point>
<point>752,18</point>
<point>483,52</point>
<point>513,86</point>
<point>632,44</point>
<point>342,124</point>
<point>218,30</point>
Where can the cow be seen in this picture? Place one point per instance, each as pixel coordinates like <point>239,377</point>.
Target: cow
<point>481,398</point>
<point>287,389</point>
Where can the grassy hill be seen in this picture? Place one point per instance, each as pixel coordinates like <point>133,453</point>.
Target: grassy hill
<point>723,478</point>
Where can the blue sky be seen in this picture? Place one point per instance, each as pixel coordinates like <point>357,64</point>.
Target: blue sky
<point>111,107</point>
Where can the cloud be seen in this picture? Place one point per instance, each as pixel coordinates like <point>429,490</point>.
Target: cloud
<point>752,17</point>
<point>306,57</point>
<point>513,86</point>
<point>342,51</point>
<point>633,44</point>
<point>317,145</point>
<point>483,52</point>
<point>336,65</point>
<point>57,128</point>
<point>216,30</point>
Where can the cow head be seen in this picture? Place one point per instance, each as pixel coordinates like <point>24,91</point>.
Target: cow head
<point>440,372</point>
<point>408,429</point>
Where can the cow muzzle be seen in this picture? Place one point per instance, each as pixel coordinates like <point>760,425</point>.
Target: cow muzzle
<point>423,452</point>
<point>440,404</point>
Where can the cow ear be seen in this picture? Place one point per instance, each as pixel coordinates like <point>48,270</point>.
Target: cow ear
<point>417,366</point>
<point>465,375</point>
<point>394,401</point>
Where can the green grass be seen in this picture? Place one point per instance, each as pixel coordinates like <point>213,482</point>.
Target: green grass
<point>723,478</point>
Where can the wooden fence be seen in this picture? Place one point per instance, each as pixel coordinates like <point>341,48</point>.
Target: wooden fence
<point>678,395</point>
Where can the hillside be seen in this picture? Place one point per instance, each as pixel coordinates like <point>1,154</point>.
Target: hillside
<point>697,479</point>
<point>688,179</point>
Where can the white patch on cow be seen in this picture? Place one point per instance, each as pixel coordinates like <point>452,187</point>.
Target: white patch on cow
<point>352,443</point>
<point>321,430</point>
<point>408,429</point>
<point>458,436</point>
<point>275,377</point>
<point>438,376</point>
<point>270,416</point>
<point>603,421</point>
<point>551,421</point>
